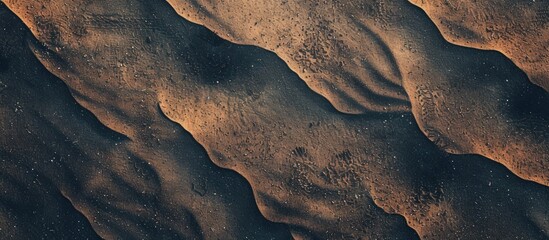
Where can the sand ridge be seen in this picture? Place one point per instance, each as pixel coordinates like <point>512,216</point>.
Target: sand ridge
<point>519,29</point>
<point>336,54</point>
<point>323,173</point>
<point>64,175</point>
<point>466,101</point>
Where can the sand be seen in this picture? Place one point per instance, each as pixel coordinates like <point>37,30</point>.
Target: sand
<point>466,101</point>
<point>360,127</point>
<point>65,175</point>
<point>518,29</point>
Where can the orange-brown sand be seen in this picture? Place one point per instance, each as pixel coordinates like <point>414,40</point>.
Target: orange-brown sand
<point>466,101</point>
<point>336,125</point>
<point>64,175</point>
<point>518,29</point>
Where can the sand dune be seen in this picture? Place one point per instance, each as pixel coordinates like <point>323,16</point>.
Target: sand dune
<point>466,101</point>
<point>325,43</point>
<point>104,100</point>
<point>62,172</point>
<point>519,29</point>
<point>322,173</point>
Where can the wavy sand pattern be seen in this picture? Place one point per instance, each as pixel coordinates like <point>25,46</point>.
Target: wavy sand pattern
<point>155,183</point>
<point>344,120</point>
<point>444,82</point>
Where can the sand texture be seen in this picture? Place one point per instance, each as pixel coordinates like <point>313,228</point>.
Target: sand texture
<point>456,94</point>
<point>234,119</point>
<point>518,29</point>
